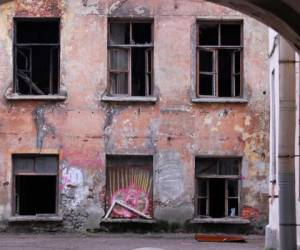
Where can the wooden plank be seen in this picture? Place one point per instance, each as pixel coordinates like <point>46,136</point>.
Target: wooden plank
<point>133,210</point>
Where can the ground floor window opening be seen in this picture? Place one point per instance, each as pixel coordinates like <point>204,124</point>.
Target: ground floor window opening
<point>35,184</point>
<point>129,187</point>
<point>218,187</point>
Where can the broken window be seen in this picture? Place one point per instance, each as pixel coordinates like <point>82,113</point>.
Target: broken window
<point>129,187</point>
<point>130,47</point>
<point>35,184</point>
<point>36,56</point>
<point>217,187</point>
<point>219,59</point>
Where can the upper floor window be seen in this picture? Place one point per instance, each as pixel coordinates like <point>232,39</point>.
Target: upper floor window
<point>36,56</point>
<point>219,59</point>
<point>130,64</point>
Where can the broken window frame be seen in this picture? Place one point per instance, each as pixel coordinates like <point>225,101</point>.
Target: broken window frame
<point>17,46</point>
<point>215,49</point>
<point>15,208</point>
<point>149,87</point>
<point>206,178</point>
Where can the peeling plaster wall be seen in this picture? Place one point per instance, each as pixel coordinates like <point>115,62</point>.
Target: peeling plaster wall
<point>83,129</point>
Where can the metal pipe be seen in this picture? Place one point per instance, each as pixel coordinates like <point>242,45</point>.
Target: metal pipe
<point>286,147</point>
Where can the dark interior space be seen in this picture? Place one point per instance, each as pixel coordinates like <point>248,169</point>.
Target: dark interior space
<point>141,33</point>
<point>37,31</point>
<point>148,62</point>
<point>138,71</point>
<point>231,34</point>
<point>202,196</point>
<point>237,71</point>
<point>225,72</point>
<point>233,207</point>
<point>37,65</point>
<point>35,195</point>
<point>44,67</point>
<point>206,68</point>
<point>208,34</point>
<point>233,193</point>
<point>129,160</point>
<point>217,198</point>
<point>206,84</point>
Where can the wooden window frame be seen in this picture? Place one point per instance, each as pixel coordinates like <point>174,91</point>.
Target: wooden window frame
<point>215,49</point>
<point>227,178</point>
<point>17,45</point>
<point>33,156</point>
<point>129,47</point>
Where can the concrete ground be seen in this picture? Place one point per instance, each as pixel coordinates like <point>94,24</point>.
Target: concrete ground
<point>100,241</point>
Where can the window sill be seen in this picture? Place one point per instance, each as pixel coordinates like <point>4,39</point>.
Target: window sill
<point>141,221</point>
<point>225,220</point>
<point>219,100</point>
<point>37,218</point>
<point>16,97</point>
<point>106,98</point>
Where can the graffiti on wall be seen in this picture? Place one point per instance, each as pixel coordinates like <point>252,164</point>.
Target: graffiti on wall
<point>131,186</point>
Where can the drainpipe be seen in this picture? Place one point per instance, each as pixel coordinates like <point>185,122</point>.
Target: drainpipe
<point>286,147</point>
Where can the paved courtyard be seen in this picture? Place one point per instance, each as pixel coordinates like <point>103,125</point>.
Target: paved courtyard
<point>118,242</point>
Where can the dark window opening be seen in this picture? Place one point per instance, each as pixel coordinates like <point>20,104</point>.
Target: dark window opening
<point>36,56</point>
<point>36,195</point>
<point>130,58</point>
<point>130,182</point>
<point>219,60</point>
<point>225,73</point>
<point>35,184</point>
<point>209,34</point>
<point>217,198</point>
<point>230,34</point>
<point>217,187</point>
<point>141,33</point>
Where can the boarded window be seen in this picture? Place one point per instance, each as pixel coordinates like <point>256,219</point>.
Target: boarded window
<point>129,181</point>
<point>217,187</point>
<point>130,47</point>
<point>35,184</point>
<point>219,59</point>
<point>36,56</point>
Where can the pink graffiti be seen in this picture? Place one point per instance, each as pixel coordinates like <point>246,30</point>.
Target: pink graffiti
<point>132,196</point>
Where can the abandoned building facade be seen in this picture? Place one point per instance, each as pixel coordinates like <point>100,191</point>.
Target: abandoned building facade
<point>140,111</point>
